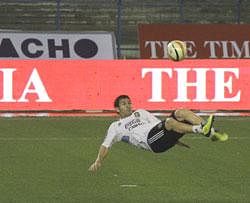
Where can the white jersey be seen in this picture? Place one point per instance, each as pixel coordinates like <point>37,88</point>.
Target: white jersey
<point>133,129</point>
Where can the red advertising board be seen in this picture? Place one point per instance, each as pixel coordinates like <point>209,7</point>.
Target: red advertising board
<point>152,84</point>
<point>203,41</point>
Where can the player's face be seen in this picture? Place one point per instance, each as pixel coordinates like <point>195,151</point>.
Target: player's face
<point>125,107</point>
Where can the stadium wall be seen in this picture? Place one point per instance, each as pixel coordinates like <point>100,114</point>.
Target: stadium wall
<point>92,15</point>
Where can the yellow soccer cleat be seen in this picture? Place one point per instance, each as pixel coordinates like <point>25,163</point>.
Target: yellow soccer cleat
<point>218,136</point>
<point>206,128</point>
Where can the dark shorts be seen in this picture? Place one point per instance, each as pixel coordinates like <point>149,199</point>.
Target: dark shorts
<point>160,140</point>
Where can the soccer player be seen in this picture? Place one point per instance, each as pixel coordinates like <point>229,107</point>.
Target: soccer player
<point>142,129</point>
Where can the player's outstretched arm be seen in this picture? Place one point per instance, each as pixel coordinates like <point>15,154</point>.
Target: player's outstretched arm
<point>103,151</point>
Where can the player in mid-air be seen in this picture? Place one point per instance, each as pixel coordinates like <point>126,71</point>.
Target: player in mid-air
<point>142,129</point>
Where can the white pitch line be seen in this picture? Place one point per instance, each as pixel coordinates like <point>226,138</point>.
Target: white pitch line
<point>128,185</point>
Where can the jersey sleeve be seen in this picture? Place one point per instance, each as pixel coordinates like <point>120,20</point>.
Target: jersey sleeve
<point>110,136</point>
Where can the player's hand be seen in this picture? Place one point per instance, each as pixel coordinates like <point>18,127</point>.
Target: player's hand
<point>95,166</point>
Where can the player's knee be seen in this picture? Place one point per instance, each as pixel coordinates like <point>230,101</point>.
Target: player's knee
<point>170,123</point>
<point>180,114</point>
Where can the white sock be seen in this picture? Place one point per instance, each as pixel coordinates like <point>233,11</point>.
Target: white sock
<point>212,131</point>
<point>197,128</point>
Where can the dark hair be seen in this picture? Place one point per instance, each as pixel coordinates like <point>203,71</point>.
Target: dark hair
<point>117,100</point>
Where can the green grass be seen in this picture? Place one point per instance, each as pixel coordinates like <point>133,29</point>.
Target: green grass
<point>46,160</point>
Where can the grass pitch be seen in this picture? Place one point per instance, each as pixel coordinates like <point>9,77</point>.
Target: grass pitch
<point>47,160</point>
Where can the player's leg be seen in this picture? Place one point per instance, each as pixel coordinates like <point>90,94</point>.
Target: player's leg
<point>181,127</point>
<point>188,116</point>
<point>186,121</point>
<point>172,125</point>
<point>185,115</point>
